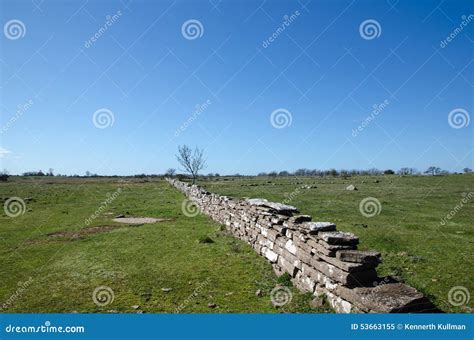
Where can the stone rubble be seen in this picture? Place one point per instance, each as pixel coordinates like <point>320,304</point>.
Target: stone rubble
<point>319,259</point>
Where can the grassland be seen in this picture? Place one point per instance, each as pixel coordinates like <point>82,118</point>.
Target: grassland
<point>409,232</point>
<point>59,272</point>
<point>137,262</point>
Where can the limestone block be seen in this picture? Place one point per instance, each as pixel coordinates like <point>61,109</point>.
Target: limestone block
<point>338,238</point>
<point>359,256</point>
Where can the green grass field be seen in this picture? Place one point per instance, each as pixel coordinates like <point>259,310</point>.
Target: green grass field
<point>408,232</point>
<point>137,262</point>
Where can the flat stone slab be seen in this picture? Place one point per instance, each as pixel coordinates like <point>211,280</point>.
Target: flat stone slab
<point>387,298</point>
<point>279,207</point>
<point>300,219</point>
<point>339,237</point>
<point>139,220</point>
<point>358,278</point>
<point>349,267</point>
<point>316,227</point>
<point>359,256</point>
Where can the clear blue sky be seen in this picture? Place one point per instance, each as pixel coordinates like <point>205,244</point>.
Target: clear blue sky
<point>320,69</point>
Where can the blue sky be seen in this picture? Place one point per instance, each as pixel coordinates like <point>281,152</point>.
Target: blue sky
<point>321,75</point>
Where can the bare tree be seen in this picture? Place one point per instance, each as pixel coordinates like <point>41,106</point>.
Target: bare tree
<point>192,162</point>
<point>170,172</point>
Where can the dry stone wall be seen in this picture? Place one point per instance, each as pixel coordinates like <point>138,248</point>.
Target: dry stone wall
<point>320,259</point>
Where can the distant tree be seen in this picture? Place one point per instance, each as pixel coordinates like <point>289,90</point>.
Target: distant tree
<point>88,173</point>
<point>4,175</point>
<point>170,172</point>
<point>374,172</point>
<point>262,174</point>
<point>407,171</point>
<point>389,172</point>
<point>283,173</point>
<point>301,172</point>
<point>467,170</point>
<point>217,175</point>
<point>192,162</point>
<point>344,173</point>
<point>50,172</point>
<point>333,172</point>
<point>272,174</point>
<point>433,170</point>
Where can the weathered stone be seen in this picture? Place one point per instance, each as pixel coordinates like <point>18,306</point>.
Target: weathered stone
<point>360,278</point>
<point>278,219</point>
<point>278,207</point>
<point>304,283</point>
<point>305,256</point>
<point>300,219</point>
<point>351,187</point>
<point>280,229</point>
<point>269,254</point>
<point>347,266</point>
<point>287,266</point>
<point>339,238</point>
<point>316,227</point>
<point>338,304</point>
<point>324,248</point>
<point>290,246</point>
<point>387,298</point>
<point>272,234</point>
<point>359,256</point>
<point>318,248</point>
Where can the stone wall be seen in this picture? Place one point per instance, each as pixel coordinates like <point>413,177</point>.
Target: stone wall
<point>319,259</point>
